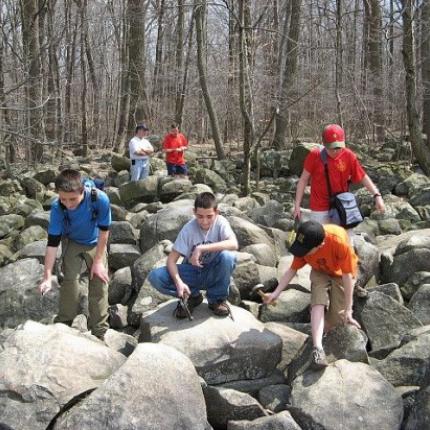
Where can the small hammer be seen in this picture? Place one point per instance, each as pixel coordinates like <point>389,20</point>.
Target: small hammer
<point>258,289</point>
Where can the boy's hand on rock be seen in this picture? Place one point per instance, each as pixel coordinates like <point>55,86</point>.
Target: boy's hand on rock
<point>45,286</point>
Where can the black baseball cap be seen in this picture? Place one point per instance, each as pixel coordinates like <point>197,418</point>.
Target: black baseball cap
<point>309,235</point>
<point>141,127</point>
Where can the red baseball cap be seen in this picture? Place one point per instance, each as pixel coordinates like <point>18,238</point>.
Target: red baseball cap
<point>333,136</point>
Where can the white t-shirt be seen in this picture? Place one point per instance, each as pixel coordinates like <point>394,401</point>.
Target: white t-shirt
<point>137,144</point>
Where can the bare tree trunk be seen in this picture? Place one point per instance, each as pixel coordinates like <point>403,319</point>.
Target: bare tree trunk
<point>180,106</point>
<point>82,4</point>
<point>199,14</point>
<point>30,42</point>
<point>373,16</point>
<point>136,54</point>
<point>425,71</point>
<point>339,60</point>
<point>156,84</point>
<point>246,105</point>
<point>179,61</point>
<point>420,149</point>
<point>124,102</point>
<point>289,76</point>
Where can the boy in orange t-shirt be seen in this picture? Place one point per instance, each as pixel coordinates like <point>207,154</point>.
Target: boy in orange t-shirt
<point>174,145</point>
<point>334,267</point>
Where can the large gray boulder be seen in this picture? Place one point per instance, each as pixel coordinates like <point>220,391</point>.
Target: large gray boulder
<point>281,421</point>
<point>10,223</point>
<point>419,416</point>
<point>30,235</point>
<point>46,175</point>
<point>385,321</point>
<point>119,285</point>
<point>225,404</point>
<point>166,223</point>
<point>300,151</point>
<point>268,214</point>
<point>171,188</point>
<point>38,218</point>
<point>122,255</point>
<point>275,397</point>
<point>211,178</point>
<point>145,190</point>
<point>291,306</point>
<point>122,232</point>
<point>411,255</point>
<point>119,162</point>
<point>420,304</point>
<point>221,349</point>
<point>145,263</point>
<point>409,364</point>
<point>20,299</point>
<point>44,368</point>
<point>248,233</point>
<point>368,260</point>
<point>156,388</point>
<point>355,397</point>
<point>263,254</point>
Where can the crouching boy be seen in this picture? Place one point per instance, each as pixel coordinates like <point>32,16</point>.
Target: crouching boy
<point>334,266</point>
<point>205,243</point>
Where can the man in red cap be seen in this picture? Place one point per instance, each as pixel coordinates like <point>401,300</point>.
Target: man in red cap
<point>343,168</point>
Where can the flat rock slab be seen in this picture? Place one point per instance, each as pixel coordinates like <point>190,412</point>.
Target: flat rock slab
<point>345,395</point>
<point>45,367</point>
<point>221,349</point>
<point>281,421</point>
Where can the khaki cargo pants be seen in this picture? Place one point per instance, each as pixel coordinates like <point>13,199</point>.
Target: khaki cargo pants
<point>74,254</point>
<point>328,291</point>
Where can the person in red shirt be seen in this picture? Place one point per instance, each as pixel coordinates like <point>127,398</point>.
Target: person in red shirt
<point>174,145</point>
<point>328,251</point>
<point>343,168</point>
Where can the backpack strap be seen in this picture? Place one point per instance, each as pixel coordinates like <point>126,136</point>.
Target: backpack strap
<point>94,197</point>
<point>323,154</point>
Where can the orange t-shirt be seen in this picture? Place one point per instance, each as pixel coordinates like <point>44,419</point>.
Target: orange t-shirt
<point>335,257</point>
<point>171,142</point>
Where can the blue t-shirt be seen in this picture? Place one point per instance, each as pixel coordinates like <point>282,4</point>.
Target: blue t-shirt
<point>78,224</point>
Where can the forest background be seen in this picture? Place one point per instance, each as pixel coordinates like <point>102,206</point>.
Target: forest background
<point>239,74</point>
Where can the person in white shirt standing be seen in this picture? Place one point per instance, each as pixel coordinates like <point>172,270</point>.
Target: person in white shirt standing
<point>140,151</point>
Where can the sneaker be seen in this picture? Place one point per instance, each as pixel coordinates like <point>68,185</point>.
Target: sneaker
<point>193,302</point>
<point>360,292</point>
<point>319,360</point>
<point>220,309</point>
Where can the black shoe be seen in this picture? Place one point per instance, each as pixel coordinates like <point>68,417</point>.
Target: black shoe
<point>192,302</point>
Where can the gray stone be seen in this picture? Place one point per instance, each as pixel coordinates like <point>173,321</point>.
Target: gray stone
<point>25,206</point>
<point>120,162</point>
<point>145,190</point>
<point>263,254</point>
<point>419,416</point>
<point>291,306</point>
<point>122,255</point>
<point>32,187</point>
<point>420,304</point>
<point>343,405</point>
<point>275,397</point>
<point>385,322</point>
<point>30,235</point>
<point>409,364</point>
<point>6,255</point>
<point>10,223</point>
<point>119,285</point>
<point>293,342</point>
<point>122,232</point>
<point>300,151</point>
<point>390,289</point>
<point>166,223</point>
<point>20,299</point>
<point>144,264</point>
<point>167,399</point>
<point>120,342</point>
<point>281,421</point>
<point>421,197</point>
<point>255,355</point>
<point>60,365</point>
<point>38,218</point>
<point>46,175</point>
<point>9,187</point>
<point>171,188</point>
<point>121,178</point>
<point>410,287</point>
<point>368,260</point>
<point>248,233</point>
<point>224,405</point>
<point>268,214</point>
<point>211,178</point>
<point>114,196</point>
<point>412,184</point>
<point>118,213</point>
<point>246,204</point>
<point>389,226</point>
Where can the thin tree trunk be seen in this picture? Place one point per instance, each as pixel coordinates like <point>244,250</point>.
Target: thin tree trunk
<point>289,76</point>
<point>156,84</point>
<point>425,71</point>
<point>179,61</point>
<point>199,14</point>
<point>82,55</point>
<point>339,60</point>
<point>420,149</point>
<point>95,124</point>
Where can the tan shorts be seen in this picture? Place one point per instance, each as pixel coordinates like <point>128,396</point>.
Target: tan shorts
<point>328,291</point>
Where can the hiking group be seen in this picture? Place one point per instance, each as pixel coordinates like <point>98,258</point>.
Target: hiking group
<point>81,216</point>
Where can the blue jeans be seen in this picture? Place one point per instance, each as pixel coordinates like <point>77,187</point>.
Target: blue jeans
<point>139,169</point>
<point>214,278</point>
<point>176,169</point>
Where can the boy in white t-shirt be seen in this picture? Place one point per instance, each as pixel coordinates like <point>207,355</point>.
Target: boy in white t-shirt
<point>140,150</point>
<point>206,243</point>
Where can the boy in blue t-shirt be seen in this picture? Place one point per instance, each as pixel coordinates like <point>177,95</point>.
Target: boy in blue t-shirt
<point>205,243</point>
<point>81,217</point>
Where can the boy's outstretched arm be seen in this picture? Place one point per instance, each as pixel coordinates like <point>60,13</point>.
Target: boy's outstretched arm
<point>181,287</point>
<point>50,257</point>
<point>283,283</point>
